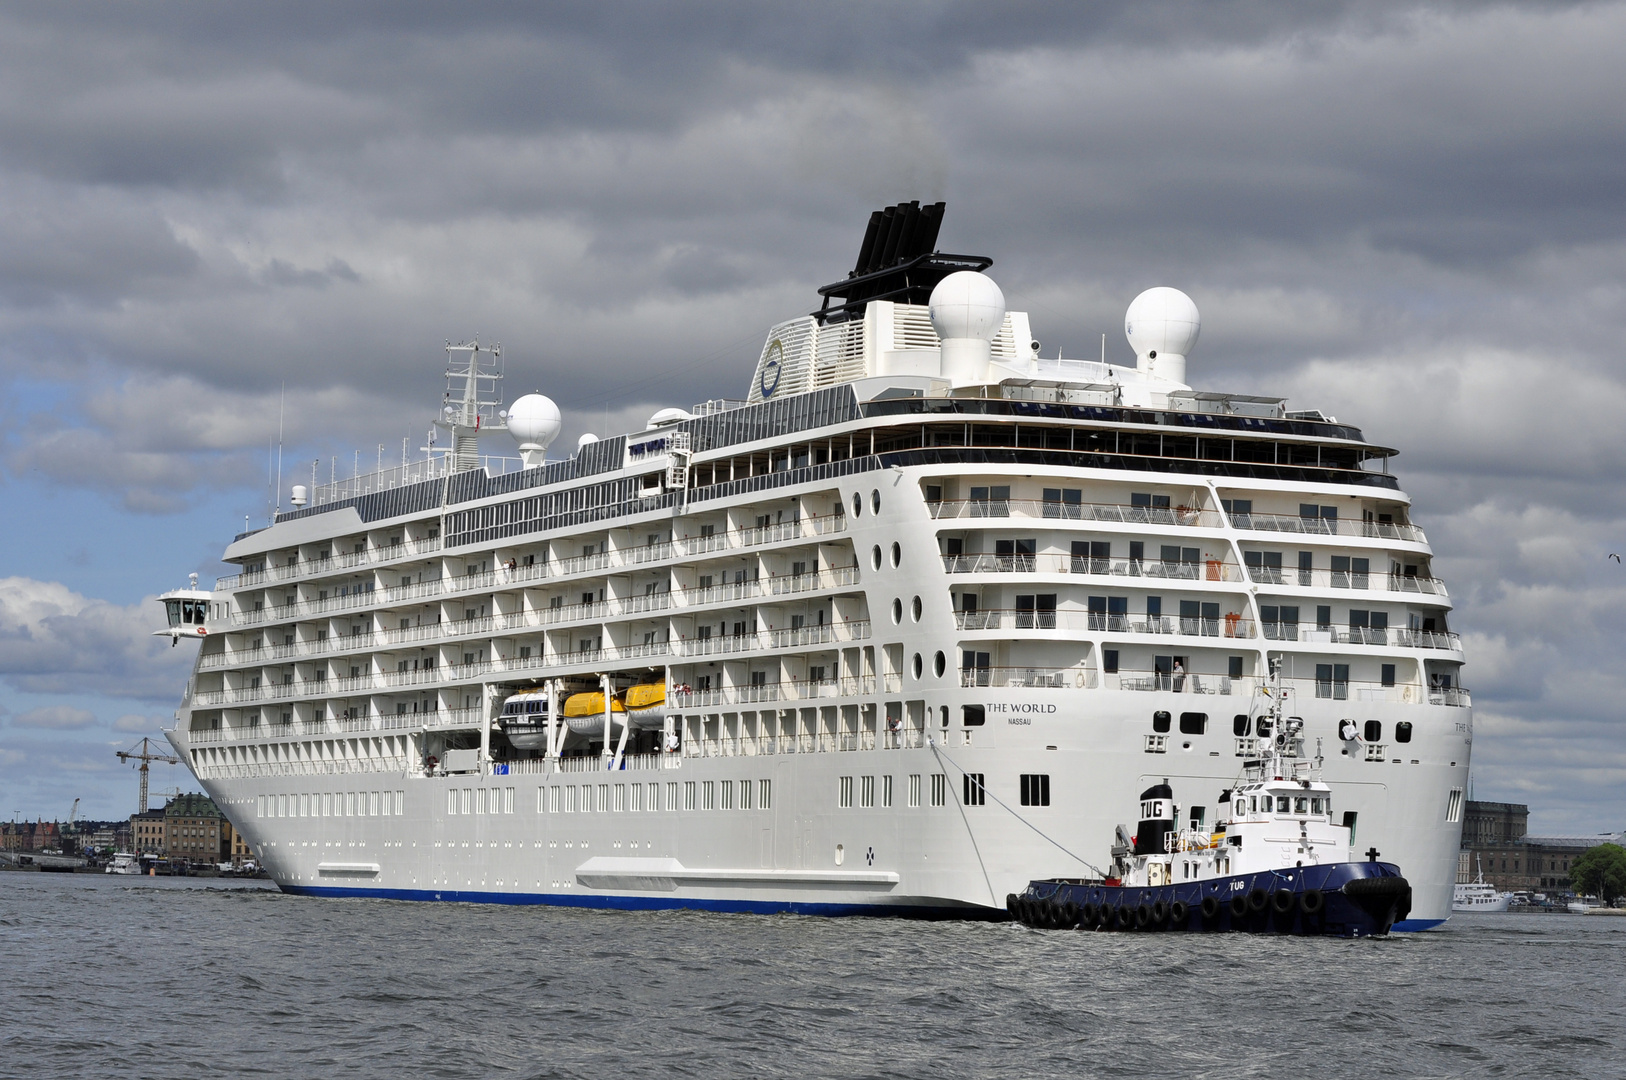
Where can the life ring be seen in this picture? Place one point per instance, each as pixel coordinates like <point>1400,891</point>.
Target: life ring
<point>202,630</point>
<point>431,761</point>
<point>1080,679</point>
<point>1257,900</point>
<point>1312,901</point>
<point>1283,901</point>
<point>1210,906</point>
<point>1179,914</point>
<point>1239,906</point>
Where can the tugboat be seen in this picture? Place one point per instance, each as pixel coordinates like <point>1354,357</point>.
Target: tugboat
<point>1276,864</point>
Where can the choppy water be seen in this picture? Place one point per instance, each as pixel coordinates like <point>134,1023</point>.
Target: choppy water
<point>106,976</point>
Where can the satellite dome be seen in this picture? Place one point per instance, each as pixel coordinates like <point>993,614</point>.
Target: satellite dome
<point>967,304</point>
<point>670,416</point>
<point>587,439</point>
<point>534,422</point>
<point>1162,325</point>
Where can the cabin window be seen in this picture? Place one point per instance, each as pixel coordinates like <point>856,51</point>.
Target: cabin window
<point>1109,661</point>
<point>1403,731</point>
<point>1315,806</point>
<point>1281,804</point>
<point>1374,731</point>
<point>973,715</point>
<point>1388,674</point>
<point>1301,805</point>
<point>1161,721</point>
<point>1239,724</point>
<point>1193,723</point>
<point>1035,789</point>
<point>976,791</point>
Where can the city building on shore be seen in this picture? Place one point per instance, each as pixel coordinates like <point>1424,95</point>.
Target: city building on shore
<point>1495,842</point>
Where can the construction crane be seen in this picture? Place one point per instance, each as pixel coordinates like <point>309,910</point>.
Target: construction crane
<point>146,757</point>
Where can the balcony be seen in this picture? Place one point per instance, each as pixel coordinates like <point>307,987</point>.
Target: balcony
<point>1308,526</point>
<point>1046,678</point>
<point>317,567</point>
<point>1115,513</point>
<point>1048,563</point>
<point>1347,579</point>
<point>1231,625</point>
<point>685,697</point>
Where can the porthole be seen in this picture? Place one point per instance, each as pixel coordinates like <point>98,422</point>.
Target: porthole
<point>897,554</point>
<point>919,666</point>
<point>939,664</point>
<point>858,505</point>
<point>914,609</point>
<point>875,500</point>
<point>897,611</point>
<point>841,854</point>
<point>875,557</point>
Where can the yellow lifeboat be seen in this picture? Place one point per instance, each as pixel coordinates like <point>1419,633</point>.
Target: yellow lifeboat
<point>584,713</point>
<point>646,704</point>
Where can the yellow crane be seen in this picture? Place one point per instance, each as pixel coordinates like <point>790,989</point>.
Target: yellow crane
<point>145,755</point>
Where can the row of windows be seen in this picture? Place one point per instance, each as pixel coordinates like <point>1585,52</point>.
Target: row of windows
<point>334,804</point>
<point>480,801</point>
<point>637,798</point>
<point>1196,723</point>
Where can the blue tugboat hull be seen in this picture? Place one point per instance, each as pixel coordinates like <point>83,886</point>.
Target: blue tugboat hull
<point>1354,899</point>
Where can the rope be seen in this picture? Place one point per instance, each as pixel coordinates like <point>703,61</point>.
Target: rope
<point>975,850</point>
<point>944,757</point>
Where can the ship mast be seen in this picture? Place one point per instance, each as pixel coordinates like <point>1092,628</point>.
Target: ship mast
<point>473,400</point>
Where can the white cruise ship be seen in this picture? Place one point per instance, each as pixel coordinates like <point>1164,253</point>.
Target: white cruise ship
<point>898,634</point>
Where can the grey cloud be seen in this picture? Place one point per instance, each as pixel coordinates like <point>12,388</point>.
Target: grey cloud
<point>55,718</point>
<point>55,641</point>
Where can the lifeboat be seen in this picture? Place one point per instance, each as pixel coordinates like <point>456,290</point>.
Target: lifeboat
<point>584,713</point>
<point>646,704</point>
<point>525,720</point>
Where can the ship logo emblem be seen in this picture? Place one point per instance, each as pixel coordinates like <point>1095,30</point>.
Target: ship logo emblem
<point>869,856</point>
<point>772,364</point>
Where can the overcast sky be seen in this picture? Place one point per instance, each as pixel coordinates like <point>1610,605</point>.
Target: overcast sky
<point>1410,217</point>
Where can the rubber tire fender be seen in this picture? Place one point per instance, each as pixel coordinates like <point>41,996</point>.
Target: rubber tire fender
<point>1090,913</point>
<point>1069,914</point>
<point>1024,910</point>
<point>1179,914</point>
<point>1160,913</point>
<point>1011,902</point>
<point>1124,918</point>
<point>1257,899</point>
<point>1312,901</point>
<point>1282,901</point>
<point>1239,905</point>
<point>1210,907</point>
<point>1143,916</point>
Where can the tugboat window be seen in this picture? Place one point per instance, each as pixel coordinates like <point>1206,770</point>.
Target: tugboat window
<point>1160,721</point>
<point>1281,804</point>
<point>1301,805</point>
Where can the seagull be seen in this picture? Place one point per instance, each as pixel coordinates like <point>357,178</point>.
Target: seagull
<point>1613,556</point>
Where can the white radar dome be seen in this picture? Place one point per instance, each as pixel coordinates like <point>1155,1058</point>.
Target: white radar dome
<point>534,422</point>
<point>1162,325</point>
<point>587,439</point>
<point>967,304</point>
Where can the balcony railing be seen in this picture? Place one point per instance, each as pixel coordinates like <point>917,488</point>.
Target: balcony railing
<point>1232,625</point>
<point>317,567</point>
<point>1050,678</point>
<point>1346,579</point>
<point>791,690</point>
<point>1319,526</point>
<point>1116,513</point>
<point>1050,563</point>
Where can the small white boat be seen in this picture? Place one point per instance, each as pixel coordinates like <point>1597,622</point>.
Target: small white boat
<point>1478,895</point>
<point>1582,904</point>
<point>124,863</point>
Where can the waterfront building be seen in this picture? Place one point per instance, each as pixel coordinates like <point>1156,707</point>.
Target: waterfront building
<point>195,829</point>
<point>147,835</point>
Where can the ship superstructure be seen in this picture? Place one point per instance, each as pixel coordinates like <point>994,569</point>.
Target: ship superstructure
<point>906,626</point>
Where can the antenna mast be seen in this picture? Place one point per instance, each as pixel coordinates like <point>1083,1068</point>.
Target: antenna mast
<point>473,401</point>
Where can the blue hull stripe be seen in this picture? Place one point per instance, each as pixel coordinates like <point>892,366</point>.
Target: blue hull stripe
<point>1412,926</point>
<point>650,903</point>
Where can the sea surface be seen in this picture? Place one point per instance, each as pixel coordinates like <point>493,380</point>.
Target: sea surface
<point>174,977</point>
